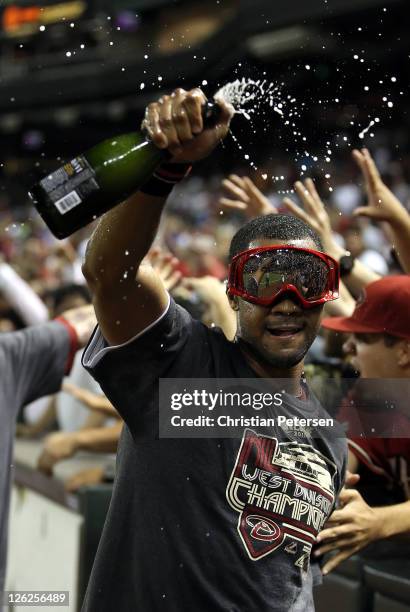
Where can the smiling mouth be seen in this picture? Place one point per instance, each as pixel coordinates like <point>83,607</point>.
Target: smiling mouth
<point>285,332</point>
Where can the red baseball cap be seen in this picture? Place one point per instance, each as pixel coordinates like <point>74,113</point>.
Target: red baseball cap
<point>383,307</point>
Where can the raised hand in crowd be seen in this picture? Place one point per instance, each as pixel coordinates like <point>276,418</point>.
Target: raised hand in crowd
<point>314,213</point>
<point>382,205</point>
<point>166,266</point>
<point>213,294</point>
<point>245,196</point>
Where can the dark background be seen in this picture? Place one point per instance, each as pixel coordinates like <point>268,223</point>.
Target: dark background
<point>53,106</point>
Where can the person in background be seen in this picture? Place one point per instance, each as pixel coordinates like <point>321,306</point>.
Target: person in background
<point>41,415</point>
<point>33,362</point>
<point>80,428</point>
<point>207,292</point>
<point>379,343</point>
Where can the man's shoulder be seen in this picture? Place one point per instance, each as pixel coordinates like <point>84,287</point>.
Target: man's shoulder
<point>173,335</point>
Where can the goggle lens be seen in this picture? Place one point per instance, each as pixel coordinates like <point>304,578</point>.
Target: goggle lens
<point>264,274</point>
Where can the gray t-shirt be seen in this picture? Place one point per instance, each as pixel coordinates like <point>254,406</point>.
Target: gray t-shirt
<point>32,363</point>
<point>184,531</point>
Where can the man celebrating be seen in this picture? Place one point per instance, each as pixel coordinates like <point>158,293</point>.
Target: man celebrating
<point>208,524</point>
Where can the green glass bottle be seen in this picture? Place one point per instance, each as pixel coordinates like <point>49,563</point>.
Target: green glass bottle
<point>99,179</point>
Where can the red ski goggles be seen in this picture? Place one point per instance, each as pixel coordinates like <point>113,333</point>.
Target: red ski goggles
<point>262,274</point>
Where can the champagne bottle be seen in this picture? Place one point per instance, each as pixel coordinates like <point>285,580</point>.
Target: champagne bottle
<point>95,181</point>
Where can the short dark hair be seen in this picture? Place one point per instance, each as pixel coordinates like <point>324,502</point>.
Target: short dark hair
<point>276,227</point>
<point>59,294</point>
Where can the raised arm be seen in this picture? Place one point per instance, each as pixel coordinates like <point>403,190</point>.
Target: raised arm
<point>21,296</point>
<point>383,205</point>
<point>315,214</point>
<point>127,294</point>
<point>213,294</point>
<point>245,196</point>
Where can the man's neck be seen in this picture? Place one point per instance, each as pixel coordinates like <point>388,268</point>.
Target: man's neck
<point>266,370</point>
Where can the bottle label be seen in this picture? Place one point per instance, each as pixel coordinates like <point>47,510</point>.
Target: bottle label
<point>70,185</point>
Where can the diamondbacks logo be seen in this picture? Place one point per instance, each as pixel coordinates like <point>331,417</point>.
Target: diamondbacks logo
<point>283,493</point>
<point>262,528</point>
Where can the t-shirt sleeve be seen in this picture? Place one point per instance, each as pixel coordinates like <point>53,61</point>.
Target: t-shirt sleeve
<point>373,453</point>
<point>35,360</point>
<point>129,373</point>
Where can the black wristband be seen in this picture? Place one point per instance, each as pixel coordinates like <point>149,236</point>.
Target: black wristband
<point>346,263</point>
<point>164,178</point>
